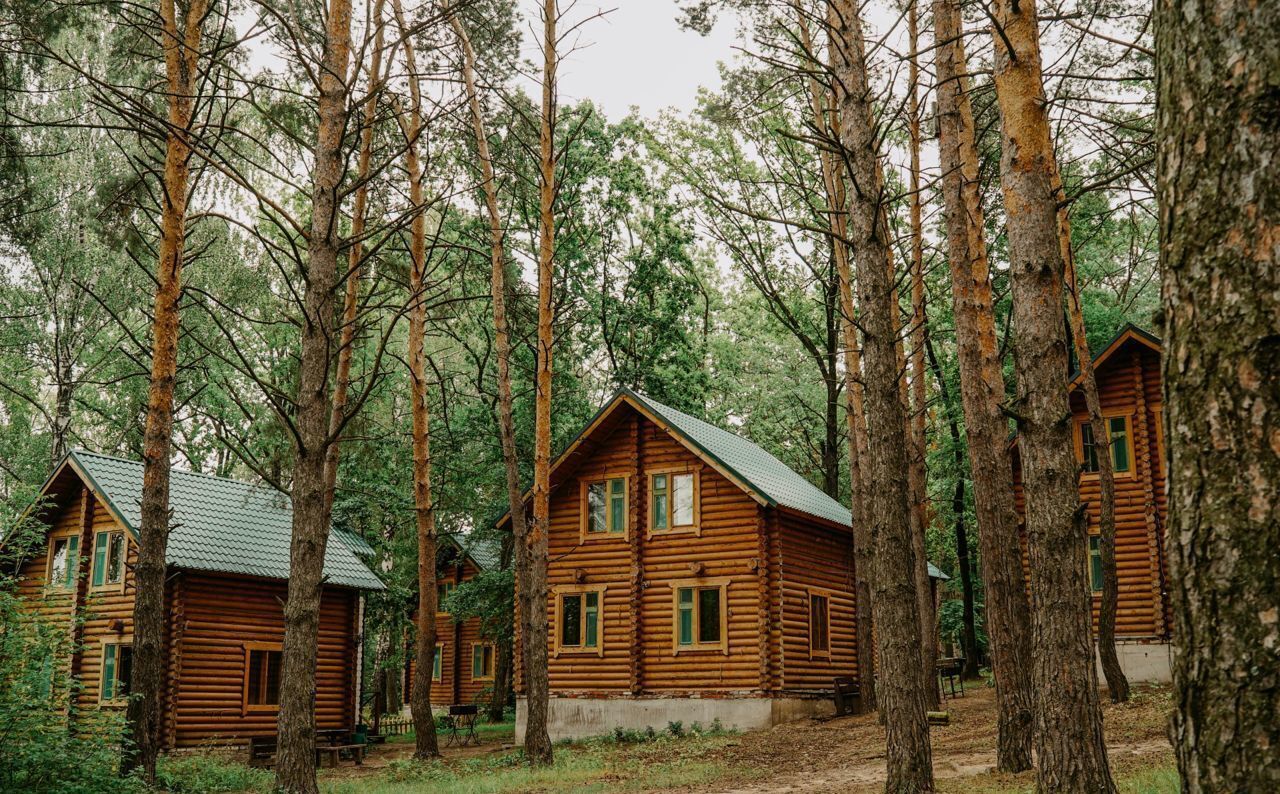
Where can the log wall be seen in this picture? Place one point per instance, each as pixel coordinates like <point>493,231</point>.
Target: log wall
<point>817,560</point>
<point>455,640</point>
<point>1129,385</point>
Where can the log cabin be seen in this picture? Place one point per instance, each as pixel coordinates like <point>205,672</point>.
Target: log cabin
<point>465,660</point>
<point>228,557</point>
<point>1130,391</point>
<point>693,577</point>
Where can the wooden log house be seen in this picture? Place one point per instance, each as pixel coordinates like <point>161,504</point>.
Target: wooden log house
<point>1130,390</point>
<point>228,556</point>
<point>465,660</point>
<point>693,577</point>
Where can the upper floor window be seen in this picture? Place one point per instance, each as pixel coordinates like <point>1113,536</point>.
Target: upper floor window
<point>1120,449</point>
<point>605,507</point>
<point>262,676</point>
<point>117,669</point>
<point>443,591</point>
<point>673,501</point>
<point>1095,563</point>
<point>64,560</point>
<point>108,558</point>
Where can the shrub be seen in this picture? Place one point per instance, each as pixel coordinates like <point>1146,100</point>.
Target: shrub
<point>675,728</point>
<point>205,774</point>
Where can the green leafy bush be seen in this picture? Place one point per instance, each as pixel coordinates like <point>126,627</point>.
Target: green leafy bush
<point>205,774</point>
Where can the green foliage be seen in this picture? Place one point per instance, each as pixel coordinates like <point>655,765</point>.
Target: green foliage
<point>208,774</point>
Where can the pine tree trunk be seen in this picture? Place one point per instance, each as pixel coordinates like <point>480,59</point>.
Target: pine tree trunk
<point>296,760</point>
<point>351,301</point>
<point>181,50</point>
<point>917,405</point>
<point>537,742</point>
<point>502,343</point>
<point>1117,684</point>
<point>1071,754</point>
<point>894,599</point>
<point>424,723</point>
<point>982,392</point>
<point>1218,166</point>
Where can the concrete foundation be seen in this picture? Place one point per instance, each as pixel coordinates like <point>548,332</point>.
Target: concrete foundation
<point>1146,662</point>
<point>581,717</point>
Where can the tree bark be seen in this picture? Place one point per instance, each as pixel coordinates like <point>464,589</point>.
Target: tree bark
<point>181,41</point>
<point>351,300</point>
<point>411,123</point>
<point>503,666</point>
<point>826,109</point>
<point>1218,179</point>
<point>1117,684</point>
<point>537,743</point>
<point>502,344</point>
<point>916,480</point>
<point>982,393</point>
<point>296,761</point>
<point>1071,754</point>
<point>894,599</point>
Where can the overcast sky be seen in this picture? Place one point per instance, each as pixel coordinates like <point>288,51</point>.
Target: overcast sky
<point>635,55</point>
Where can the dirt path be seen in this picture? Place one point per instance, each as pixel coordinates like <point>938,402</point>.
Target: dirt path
<point>847,754</point>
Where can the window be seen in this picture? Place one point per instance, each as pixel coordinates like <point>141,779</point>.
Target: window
<point>64,560</point>
<point>117,667</point>
<point>819,625</point>
<point>1119,426</point>
<point>437,664</point>
<point>261,677</point>
<point>443,589</point>
<point>578,619</point>
<point>700,615</point>
<point>482,662</point>
<point>1095,563</point>
<point>108,559</point>
<point>605,507</point>
<point>673,501</point>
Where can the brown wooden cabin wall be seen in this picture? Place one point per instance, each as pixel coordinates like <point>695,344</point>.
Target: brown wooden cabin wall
<point>637,632</point>
<point>816,558</point>
<point>456,684</point>
<point>221,614</point>
<point>108,610</point>
<point>1129,384</point>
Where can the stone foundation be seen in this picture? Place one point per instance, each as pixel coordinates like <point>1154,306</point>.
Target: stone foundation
<point>581,717</point>
<point>1143,661</point>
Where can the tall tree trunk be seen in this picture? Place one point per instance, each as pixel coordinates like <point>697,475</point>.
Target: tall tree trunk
<point>1117,684</point>
<point>504,666</point>
<point>1218,166</point>
<point>296,761</point>
<point>1071,754</point>
<point>181,42</point>
<point>916,452</point>
<point>351,301</point>
<point>982,393</point>
<point>826,109</point>
<point>537,742</point>
<point>411,123</point>
<point>894,603</point>
<point>969,630</point>
<point>502,344</point>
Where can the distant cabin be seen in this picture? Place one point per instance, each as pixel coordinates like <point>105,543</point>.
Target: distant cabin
<point>693,577</point>
<point>465,661</point>
<point>1130,390</point>
<point>228,557</point>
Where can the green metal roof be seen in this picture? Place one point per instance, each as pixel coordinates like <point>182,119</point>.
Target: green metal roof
<point>221,525</point>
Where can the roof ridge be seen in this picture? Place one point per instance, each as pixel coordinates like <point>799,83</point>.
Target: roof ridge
<point>179,470</point>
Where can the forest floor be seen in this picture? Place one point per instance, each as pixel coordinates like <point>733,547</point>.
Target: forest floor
<point>804,757</point>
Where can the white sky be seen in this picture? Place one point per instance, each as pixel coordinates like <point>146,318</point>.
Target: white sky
<point>635,55</point>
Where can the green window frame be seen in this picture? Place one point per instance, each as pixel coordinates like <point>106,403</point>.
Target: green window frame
<point>64,561</point>
<point>117,668</point>
<point>1120,462</point>
<point>606,506</point>
<point>700,616</point>
<point>108,558</point>
<point>437,664</point>
<point>1095,563</point>
<point>482,662</point>
<point>579,620</point>
<point>673,501</point>
<point>443,590</point>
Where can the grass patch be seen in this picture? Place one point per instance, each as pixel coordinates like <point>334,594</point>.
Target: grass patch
<point>484,730</point>
<point>1162,779</point>
<point>207,774</point>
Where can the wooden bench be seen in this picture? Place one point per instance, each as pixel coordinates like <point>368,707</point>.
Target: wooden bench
<point>845,692</point>
<point>332,752</point>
